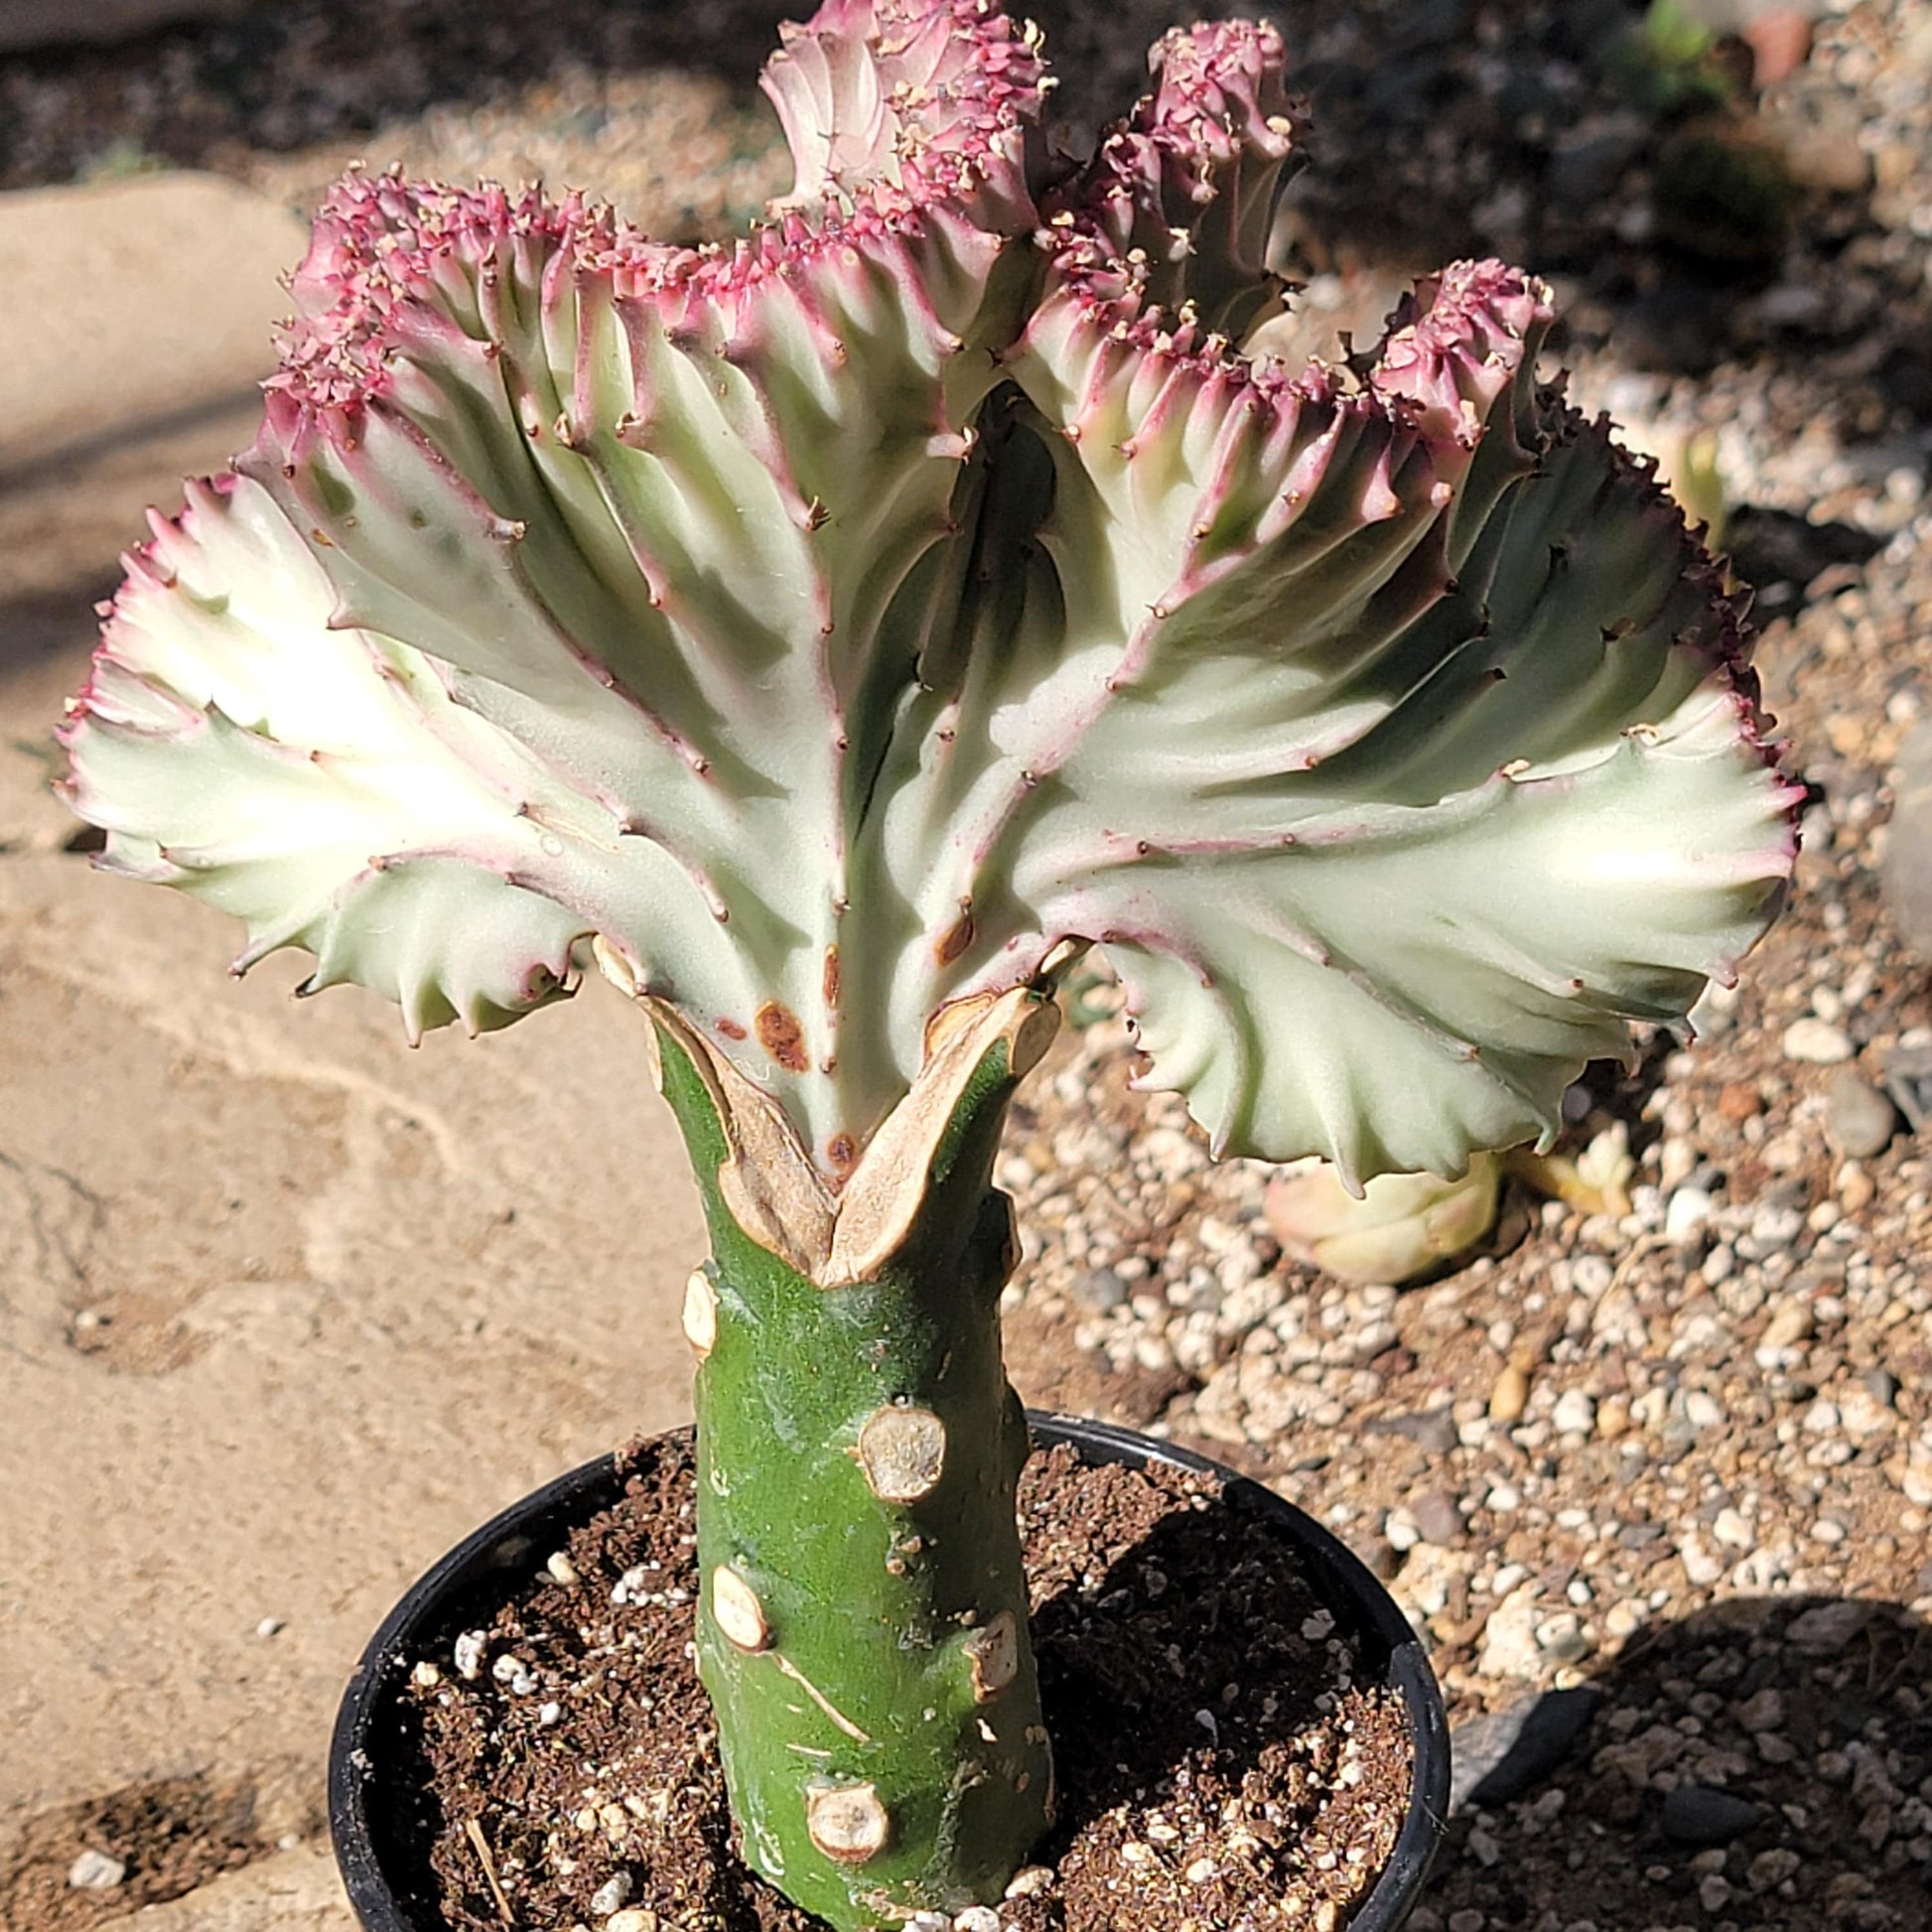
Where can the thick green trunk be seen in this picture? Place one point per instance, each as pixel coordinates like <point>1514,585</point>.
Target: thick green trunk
<point>863,1625</point>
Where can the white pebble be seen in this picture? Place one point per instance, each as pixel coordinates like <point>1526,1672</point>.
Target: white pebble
<point>1574,1413</point>
<point>977,1918</point>
<point>1701,1565</point>
<point>1733,1529</point>
<point>468,1653</point>
<point>1689,1209</point>
<point>1626,1618</point>
<point>1589,1275</point>
<point>95,1872</point>
<point>514,1671</point>
<point>1561,1638</point>
<point>1509,1646</point>
<point>609,1896</point>
<point>1817,1041</point>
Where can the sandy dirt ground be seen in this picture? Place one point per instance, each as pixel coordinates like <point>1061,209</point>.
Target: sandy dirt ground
<point>284,1308</point>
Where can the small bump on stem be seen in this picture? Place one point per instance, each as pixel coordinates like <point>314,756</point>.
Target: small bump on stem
<point>737,1611</point>
<point>993,1655</point>
<point>904,1452</point>
<point>847,1822</point>
<point>700,1313</point>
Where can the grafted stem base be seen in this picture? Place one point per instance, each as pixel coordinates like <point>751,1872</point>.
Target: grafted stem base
<point>862,1625</point>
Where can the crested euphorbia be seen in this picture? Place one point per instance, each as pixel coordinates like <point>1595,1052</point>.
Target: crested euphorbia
<point>840,632</point>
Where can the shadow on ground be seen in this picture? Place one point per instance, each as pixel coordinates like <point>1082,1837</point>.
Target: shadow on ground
<point>1764,1765</point>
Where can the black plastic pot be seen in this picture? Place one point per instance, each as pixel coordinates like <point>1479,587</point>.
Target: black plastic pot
<point>364,1798</point>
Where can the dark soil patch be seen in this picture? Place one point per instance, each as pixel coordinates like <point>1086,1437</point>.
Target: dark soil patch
<point>1795,1726</point>
<point>171,1833</point>
<point>1222,1755</point>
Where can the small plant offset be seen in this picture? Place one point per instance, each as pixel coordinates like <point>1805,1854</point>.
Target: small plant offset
<point>837,635</point>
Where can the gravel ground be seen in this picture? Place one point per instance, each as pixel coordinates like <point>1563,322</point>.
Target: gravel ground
<point>1674,1462</point>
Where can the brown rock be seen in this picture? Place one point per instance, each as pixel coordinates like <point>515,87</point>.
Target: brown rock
<point>1612,1419</point>
<point>1438,1518</point>
<point>1510,1395</point>
<point>1738,1101</point>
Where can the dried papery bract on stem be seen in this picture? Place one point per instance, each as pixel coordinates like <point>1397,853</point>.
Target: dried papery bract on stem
<point>836,636</point>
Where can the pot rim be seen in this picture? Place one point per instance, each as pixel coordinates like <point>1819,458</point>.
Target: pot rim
<point>504,1542</point>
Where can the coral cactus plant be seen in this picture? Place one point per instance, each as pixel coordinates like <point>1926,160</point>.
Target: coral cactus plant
<point>841,633</point>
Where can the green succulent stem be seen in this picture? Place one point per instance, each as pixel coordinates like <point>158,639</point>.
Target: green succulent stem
<point>862,1628</point>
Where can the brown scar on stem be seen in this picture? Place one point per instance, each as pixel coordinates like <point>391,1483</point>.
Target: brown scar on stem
<point>781,1034</point>
<point>954,940</point>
